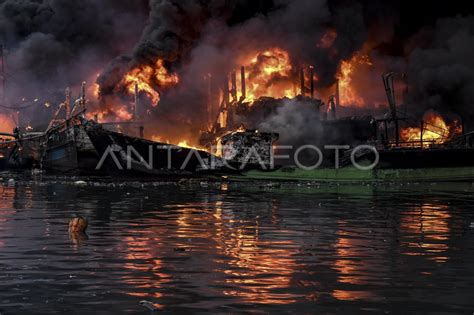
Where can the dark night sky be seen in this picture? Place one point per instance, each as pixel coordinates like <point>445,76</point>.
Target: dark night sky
<point>418,13</point>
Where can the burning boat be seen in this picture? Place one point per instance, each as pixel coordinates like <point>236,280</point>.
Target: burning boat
<point>433,151</point>
<point>239,120</point>
<point>125,156</point>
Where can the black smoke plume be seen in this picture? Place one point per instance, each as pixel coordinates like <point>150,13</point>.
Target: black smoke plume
<point>441,72</point>
<point>197,38</point>
<point>52,44</point>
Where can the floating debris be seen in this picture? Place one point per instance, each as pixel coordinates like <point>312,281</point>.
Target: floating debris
<point>78,225</point>
<point>149,305</point>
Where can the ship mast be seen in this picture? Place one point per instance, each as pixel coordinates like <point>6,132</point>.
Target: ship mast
<point>67,103</point>
<point>390,91</point>
<point>83,95</point>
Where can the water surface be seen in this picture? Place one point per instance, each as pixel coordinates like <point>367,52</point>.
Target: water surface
<point>230,248</point>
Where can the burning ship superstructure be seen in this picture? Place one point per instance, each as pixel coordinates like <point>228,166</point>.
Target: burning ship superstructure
<point>237,119</point>
<point>431,145</point>
<point>432,151</point>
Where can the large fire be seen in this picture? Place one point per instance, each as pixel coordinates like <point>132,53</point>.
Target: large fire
<point>269,73</point>
<point>435,130</point>
<point>149,79</point>
<point>348,94</point>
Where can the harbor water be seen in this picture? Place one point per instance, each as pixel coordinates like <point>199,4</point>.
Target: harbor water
<point>231,248</point>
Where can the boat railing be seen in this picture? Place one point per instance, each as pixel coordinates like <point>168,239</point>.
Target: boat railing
<point>415,144</point>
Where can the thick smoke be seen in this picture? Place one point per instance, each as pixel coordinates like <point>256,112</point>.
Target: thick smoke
<point>441,74</point>
<point>173,29</point>
<point>197,38</point>
<point>55,43</point>
<point>296,122</point>
<point>174,26</point>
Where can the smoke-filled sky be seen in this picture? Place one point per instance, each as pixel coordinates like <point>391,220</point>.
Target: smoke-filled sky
<point>52,44</point>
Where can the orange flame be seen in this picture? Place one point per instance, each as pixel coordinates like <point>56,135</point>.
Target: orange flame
<point>94,90</point>
<point>269,73</point>
<point>348,94</point>
<point>185,144</point>
<point>114,114</point>
<point>182,143</point>
<point>147,78</point>
<point>435,131</point>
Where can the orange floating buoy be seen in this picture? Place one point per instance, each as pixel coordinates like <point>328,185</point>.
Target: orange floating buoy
<point>78,225</point>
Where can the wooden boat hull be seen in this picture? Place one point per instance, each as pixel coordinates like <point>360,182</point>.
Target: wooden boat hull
<point>61,158</point>
<point>160,160</point>
<point>6,149</point>
<point>410,165</point>
<point>70,151</point>
<point>26,154</point>
<point>426,158</point>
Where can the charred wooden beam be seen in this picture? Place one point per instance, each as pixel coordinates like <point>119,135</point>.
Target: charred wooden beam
<point>234,86</point>
<point>67,103</point>
<point>389,90</point>
<point>332,106</point>
<point>302,83</point>
<point>226,91</point>
<point>422,129</point>
<point>243,83</point>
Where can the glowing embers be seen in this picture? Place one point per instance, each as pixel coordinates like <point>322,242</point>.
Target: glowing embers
<point>149,79</point>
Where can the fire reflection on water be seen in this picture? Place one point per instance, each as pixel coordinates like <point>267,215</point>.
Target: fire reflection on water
<point>255,254</point>
<point>352,263</point>
<point>260,269</point>
<point>6,206</point>
<point>427,229</point>
<point>249,266</point>
<point>9,201</point>
<point>142,252</point>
